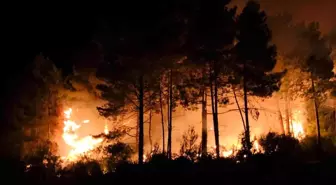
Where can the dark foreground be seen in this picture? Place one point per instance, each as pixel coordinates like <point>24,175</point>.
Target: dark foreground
<point>260,171</point>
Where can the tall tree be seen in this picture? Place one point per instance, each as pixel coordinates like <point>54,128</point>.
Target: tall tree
<point>194,91</point>
<point>255,57</point>
<point>34,116</point>
<point>210,37</point>
<point>315,60</point>
<point>320,66</point>
<point>132,67</point>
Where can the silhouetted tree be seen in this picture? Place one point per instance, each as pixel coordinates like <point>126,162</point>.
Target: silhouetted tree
<point>210,39</point>
<point>255,57</point>
<point>315,60</point>
<point>34,114</point>
<point>132,68</point>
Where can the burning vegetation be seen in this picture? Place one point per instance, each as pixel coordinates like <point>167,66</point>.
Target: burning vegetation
<point>188,86</point>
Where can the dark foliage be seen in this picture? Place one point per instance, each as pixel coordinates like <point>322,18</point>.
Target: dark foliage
<point>275,144</point>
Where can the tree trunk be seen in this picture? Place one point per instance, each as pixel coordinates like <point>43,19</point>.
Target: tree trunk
<point>49,112</point>
<point>317,117</point>
<point>137,134</point>
<point>247,132</point>
<point>288,129</point>
<point>334,115</point>
<point>280,119</point>
<point>213,93</point>
<point>239,109</point>
<point>141,119</point>
<point>170,115</point>
<point>150,130</point>
<point>162,123</point>
<point>216,127</point>
<point>204,123</point>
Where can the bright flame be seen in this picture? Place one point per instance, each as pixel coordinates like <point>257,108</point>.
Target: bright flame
<point>79,146</point>
<point>298,130</point>
<point>106,131</point>
<point>227,153</point>
<point>86,121</point>
<point>256,146</point>
<point>296,126</point>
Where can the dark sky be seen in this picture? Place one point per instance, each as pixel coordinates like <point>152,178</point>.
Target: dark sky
<point>65,36</point>
<point>26,34</point>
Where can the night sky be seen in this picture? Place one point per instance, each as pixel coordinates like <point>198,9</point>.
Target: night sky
<point>66,36</point>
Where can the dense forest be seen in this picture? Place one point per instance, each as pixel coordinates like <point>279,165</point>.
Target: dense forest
<point>195,87</point>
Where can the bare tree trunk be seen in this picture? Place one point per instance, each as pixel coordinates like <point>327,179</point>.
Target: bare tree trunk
<point>137,134</point>
<point>239,109</point>
<point>49,112</point>
<point>141,119</point>
<point>216,127</point>
<point>162,123</point>
<point>288,129</point>
<point>317,117</point>
<point>170,115</point>
<point>247,132</point>
<point>204,123</point>
<point>334,115</point>
<point>280,118</point>
<point>150,130</point>
<point>213,93</point>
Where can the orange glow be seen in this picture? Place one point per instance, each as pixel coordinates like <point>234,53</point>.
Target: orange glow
<point>297,126</point>
<point>86,121</point>
<point>256,146</point>
<point>228,153</point>
<point>79,146</point>
<point>106,131</point>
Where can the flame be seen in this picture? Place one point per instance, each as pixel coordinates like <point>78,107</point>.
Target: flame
<point>297,129</point>
<point>227,153</point>
<point>106,131</point>
<point>297,126</point>
<point>79,145</point>
<point>256,146</point>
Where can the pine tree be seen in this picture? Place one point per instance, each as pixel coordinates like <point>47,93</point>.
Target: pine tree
<point>255,57</point>
<point>210,39</point>
<point>132,66</point>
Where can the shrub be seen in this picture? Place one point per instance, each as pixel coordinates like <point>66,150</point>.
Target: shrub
<point>189,148</point>
<point>274,143</point>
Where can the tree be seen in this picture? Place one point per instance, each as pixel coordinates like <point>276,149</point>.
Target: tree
<point>255,57</point>
<point>35,112</point>
<point>210,38</point>
<point>316,61</point>
<point>194,91</point>
<point>132,68</point>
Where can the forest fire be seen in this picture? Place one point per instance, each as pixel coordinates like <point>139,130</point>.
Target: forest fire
<point>297,126</point>
<point>79,146</point>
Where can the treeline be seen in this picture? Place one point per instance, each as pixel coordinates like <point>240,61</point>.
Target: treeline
<point>157,56</point>
<point>192,52</point>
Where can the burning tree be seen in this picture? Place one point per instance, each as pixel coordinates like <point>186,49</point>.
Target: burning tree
<point>314,59</point>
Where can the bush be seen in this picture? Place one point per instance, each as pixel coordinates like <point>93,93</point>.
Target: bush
<point>189,148</point>
<point>274,143</point>
<point>309,145</point>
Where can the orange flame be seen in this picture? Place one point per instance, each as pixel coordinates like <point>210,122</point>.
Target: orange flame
<point>79,146</point>
<point>106,131</point>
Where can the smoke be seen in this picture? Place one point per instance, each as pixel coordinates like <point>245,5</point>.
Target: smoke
<point>321,11</point>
